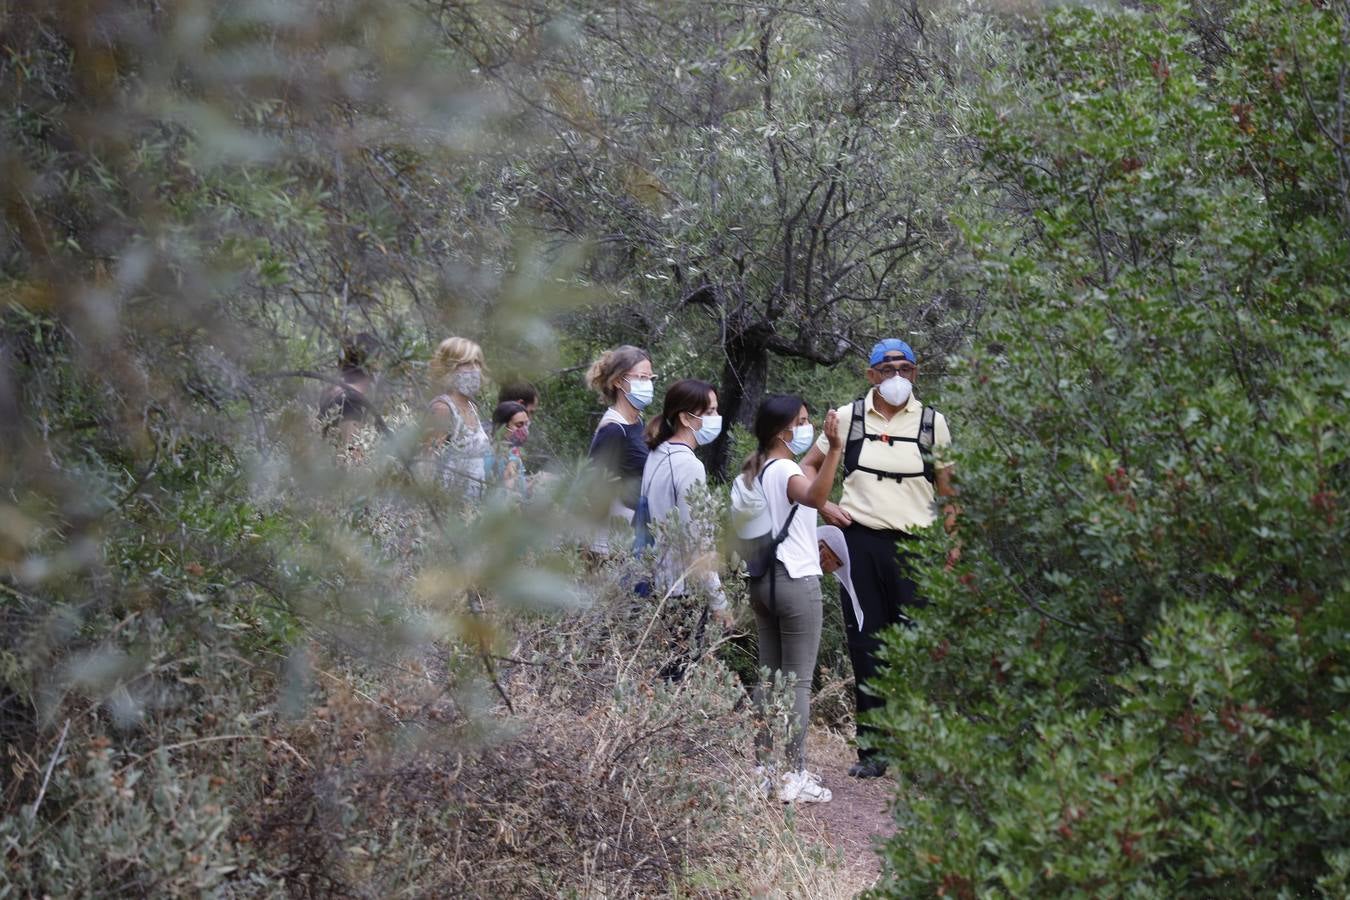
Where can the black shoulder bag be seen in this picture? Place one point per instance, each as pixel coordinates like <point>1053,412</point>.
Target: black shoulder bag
<point>760,562</point>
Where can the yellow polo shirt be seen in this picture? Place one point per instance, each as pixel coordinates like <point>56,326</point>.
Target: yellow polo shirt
<point>886,503</point>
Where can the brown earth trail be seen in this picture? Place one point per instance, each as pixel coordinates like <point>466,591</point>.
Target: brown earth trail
<point>855,820</point>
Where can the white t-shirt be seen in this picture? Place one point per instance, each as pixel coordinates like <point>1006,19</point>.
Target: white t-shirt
<point>798,553</point>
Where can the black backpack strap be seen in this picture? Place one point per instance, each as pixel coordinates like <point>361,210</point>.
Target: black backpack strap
<point>857,431</point>
<point>787,523</point>
<point>777,539</point>
<point>782,533</point>
<point>926,438</point>
<point>773,552</point>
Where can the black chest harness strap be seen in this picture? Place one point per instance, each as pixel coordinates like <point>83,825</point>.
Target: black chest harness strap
<point>857,433</point>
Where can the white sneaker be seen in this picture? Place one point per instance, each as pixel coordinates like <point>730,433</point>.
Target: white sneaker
<point>803,787</point>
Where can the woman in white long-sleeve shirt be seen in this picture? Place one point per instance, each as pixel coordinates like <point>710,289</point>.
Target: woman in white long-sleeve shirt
<point>688,419</point>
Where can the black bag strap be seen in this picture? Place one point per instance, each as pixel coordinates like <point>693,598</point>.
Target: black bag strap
<point>926,438</point>
<point>782,534</point>
<point>772,549</point>
<point>787,523</point>
<point>857,433</point>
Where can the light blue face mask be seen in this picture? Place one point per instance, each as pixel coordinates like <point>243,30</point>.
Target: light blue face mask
<point>642,393</point>
<point>803,436</point>
<point>709,430</point>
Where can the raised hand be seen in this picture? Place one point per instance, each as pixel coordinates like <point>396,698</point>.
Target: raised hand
<point>832,430</point>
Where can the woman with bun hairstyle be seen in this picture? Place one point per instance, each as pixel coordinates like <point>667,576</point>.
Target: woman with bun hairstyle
<point>786,599</point>
<point>624,379</point>
<point>457,434</point>
<point>688,419</point>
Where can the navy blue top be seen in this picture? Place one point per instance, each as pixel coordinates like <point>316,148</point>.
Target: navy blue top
<point>621,451</point>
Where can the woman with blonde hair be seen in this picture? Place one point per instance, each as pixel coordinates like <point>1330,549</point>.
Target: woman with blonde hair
<point>624,379</point>
<point>457,433</point>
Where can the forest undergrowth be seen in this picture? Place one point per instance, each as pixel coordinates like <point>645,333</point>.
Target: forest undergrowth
<point>430,741</point>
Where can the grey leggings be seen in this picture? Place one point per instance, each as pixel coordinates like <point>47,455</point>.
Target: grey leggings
<point>789,636</point>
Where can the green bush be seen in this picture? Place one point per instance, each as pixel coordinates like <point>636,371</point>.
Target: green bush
<point>1136,681</point>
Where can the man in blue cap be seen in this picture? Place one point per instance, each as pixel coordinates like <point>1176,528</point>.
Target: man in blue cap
<point>895,471</point>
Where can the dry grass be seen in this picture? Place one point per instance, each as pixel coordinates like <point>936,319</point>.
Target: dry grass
<point>603,777</point>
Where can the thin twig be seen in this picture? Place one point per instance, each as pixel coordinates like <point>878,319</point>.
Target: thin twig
<point>51,764</point>
<point>220,737</point>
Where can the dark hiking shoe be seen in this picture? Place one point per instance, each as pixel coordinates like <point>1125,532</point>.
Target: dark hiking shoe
<point>867,768</point>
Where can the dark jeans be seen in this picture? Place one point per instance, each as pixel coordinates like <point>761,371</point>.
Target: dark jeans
<point>879,570</point>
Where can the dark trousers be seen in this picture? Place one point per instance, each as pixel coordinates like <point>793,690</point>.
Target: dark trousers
<point>879,571</point>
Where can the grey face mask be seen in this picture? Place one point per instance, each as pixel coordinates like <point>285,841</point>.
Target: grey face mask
<point>469,382</point>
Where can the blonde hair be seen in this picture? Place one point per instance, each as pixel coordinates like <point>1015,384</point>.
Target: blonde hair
<point>452,352</point>
<point>604,372</point>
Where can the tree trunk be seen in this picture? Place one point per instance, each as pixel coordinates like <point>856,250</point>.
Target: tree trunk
<point>742,388</point>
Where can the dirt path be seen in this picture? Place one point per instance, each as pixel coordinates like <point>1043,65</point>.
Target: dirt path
<point>855,819</point>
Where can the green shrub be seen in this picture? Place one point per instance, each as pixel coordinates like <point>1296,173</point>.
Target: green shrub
<point>1136,681</point>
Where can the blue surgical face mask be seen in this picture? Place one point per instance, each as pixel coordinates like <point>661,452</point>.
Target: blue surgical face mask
<point>803,436</point>
<point>709,430</point>
<point>643,390</point>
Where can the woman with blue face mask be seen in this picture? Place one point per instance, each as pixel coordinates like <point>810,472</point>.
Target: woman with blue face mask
<point>686,551</point>
<point>786,599</point>
<point>624,379</point>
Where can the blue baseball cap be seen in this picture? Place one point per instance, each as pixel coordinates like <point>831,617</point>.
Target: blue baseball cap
<point>890,345</point>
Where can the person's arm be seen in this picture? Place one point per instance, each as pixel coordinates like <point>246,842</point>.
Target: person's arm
<point>509,474</point>
<point>347,433</point>
<point>440,426</point>
<point>605,445</point>
<point>814,491</point>
<point>944,487</point>
<point>811,463</point>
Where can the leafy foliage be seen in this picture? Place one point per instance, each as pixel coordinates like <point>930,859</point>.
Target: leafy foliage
<point>773,183</point>
<point>1136,681</point>
<point>238,662</point>
<point>234,661</point>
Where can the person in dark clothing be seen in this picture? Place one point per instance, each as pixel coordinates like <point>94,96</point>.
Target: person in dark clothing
<point>346,406</point>
<point>624,379</point>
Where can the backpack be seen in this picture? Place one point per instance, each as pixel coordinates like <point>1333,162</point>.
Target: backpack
<point>760,551</point>
<point>857,433</point>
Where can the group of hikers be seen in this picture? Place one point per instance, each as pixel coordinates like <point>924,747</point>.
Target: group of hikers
<point>889,444</point>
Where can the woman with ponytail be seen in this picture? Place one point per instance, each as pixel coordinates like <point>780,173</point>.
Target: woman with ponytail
<point>786,598</point>
<point>688,419</point>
